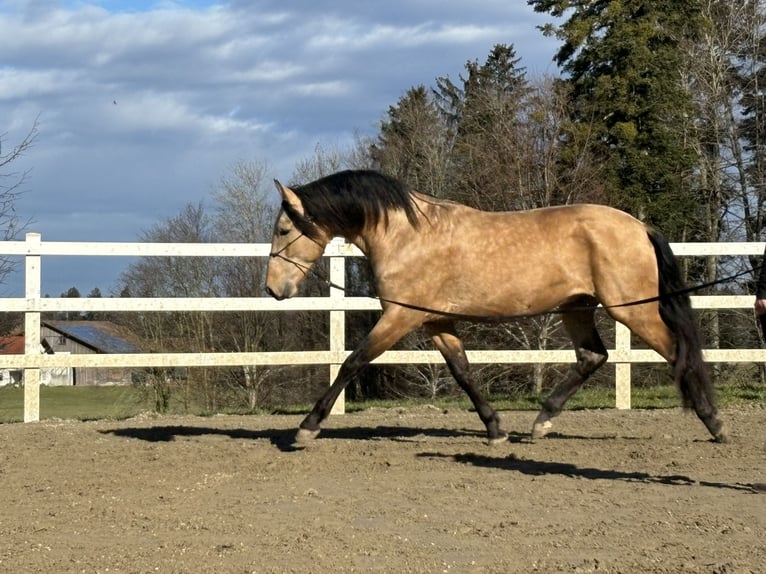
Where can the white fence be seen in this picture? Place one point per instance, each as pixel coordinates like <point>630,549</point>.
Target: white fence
<point>32,304</point>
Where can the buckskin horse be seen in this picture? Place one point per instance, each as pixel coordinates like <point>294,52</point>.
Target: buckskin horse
<point>435,262</point>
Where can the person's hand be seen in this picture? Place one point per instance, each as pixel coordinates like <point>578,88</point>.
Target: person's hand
<point>760,306</point>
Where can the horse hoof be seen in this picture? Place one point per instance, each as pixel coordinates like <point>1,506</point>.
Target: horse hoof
<point>494,441</point>
<point>540,429</point>
<point>718,430</point>
<point>304,436</point>
<point>721,438</point>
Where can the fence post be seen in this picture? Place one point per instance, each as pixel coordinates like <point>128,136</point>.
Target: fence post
<point>622,370</point>
<point>32,327</point>
<point>337,327</point>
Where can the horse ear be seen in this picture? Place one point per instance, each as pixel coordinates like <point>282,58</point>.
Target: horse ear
<point>290,198</point>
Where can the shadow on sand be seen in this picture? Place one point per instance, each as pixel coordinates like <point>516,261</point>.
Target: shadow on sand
<point>284,438</point>
<point>531,467</point>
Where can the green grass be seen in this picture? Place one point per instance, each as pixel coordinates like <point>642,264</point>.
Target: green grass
<point>83,403</point>
<point>120,402</point>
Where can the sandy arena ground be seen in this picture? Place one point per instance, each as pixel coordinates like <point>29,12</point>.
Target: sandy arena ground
<point>384,491</point>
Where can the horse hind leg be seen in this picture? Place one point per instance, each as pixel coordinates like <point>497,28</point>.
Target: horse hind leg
<point>590,353</point>
<point>696,388</point>
<point>673,333</point>
<point>451,347</point>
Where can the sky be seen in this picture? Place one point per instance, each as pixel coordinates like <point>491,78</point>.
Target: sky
<point>143,106</point>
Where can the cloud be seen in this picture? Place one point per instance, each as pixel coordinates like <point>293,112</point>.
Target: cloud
<point>144,105</point>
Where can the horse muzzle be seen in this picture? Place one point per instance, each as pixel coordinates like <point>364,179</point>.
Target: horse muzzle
<point>285,291</point>
<point>271,292</point>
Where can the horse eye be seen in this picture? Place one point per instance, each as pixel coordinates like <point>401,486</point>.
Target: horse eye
<point>282,232</point>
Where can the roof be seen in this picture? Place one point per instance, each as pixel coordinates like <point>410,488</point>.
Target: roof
<point>12,345</point>
<point>101,336</point>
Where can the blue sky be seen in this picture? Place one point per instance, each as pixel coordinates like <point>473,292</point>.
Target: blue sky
<point>201,85</point>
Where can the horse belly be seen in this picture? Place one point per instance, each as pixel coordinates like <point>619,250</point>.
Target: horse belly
<point>495,289</point>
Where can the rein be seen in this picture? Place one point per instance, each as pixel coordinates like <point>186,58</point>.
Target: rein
<point>306,270</point>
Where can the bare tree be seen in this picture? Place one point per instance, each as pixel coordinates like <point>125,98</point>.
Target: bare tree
<point>178,277</point>
<point>243,213</point>
<point>11,188</point>
<point>329,159</point>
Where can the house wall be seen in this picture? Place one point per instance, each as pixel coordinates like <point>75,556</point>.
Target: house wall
<point>56,377</point>
<point>83,376</point>
<point>93,376</point>
<point>10,377</point>
<point>63,344</point>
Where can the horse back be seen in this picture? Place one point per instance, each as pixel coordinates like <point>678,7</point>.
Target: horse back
<point>517,262</point>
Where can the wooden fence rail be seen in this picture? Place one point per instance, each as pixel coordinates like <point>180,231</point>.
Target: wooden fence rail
<point>33,304</point>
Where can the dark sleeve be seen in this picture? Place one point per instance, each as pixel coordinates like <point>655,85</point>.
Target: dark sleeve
<point>760,286</point>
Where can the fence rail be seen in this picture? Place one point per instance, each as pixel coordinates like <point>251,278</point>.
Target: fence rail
<point>32,305</point>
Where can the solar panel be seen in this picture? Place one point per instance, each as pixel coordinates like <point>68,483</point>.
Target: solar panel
<point>98,338</point>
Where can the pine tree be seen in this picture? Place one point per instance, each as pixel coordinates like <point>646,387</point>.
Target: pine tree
<point>629,107</point>
<point>485,113</point>
<point>414,143</point>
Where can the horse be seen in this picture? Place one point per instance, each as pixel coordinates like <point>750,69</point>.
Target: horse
<point>436,262</point>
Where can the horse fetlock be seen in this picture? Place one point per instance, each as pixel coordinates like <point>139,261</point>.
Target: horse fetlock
<point>492,422</point>
<point>304,436</point>
<point>720,435</point>
<point>716,428</point>
<point>502,438</point>
<point>542,425</point>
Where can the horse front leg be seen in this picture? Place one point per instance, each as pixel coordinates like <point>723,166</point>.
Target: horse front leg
<point>391,327</point>
<point>355,362</point>
<point>451,347</point>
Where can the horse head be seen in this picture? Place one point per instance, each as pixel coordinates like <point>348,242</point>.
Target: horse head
<point>298,242</point>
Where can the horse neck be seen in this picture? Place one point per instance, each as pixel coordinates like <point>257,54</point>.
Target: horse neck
<point>385,238</point>
<point>365,241</point>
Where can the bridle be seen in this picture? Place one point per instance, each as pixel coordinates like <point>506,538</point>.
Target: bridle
<point>305,269</point>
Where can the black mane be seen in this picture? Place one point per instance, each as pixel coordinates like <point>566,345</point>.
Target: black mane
<point>348,201</point>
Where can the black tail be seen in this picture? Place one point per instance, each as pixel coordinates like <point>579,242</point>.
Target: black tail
<point>689,369</point>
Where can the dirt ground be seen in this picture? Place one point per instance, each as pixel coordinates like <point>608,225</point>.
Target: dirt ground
<point>384,491</point>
